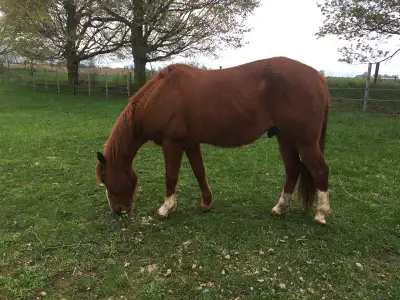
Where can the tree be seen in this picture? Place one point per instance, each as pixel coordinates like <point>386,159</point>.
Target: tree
<point>367,25</point>
<point>4,47</point>
<point>162,29</point>
<point>70,31</point>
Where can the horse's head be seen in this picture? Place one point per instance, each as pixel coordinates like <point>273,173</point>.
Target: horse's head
<point>120,184</point>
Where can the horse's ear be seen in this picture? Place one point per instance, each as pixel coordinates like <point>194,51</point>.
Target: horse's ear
<point>101,158</point>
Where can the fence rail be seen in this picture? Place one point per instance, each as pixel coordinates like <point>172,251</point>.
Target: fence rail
<point>121,85</point>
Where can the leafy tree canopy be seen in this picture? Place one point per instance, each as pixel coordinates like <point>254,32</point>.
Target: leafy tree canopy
<point>367,25</point>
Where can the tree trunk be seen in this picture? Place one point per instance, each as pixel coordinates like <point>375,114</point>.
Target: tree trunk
<point>139,46</point>
<point>139,72</point>
<point>73,70</point>
<point>376,72</point>
<point>71,28</point>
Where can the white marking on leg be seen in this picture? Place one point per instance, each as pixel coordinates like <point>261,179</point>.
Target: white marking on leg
<point>283,204</point>
<point>169,205</point>
<point>323,207</point>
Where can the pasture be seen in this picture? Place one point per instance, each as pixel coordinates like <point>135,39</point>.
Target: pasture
<point>59,240</point>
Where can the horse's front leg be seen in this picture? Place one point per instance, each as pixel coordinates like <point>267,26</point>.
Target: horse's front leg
<point>173,157</point>
<point>197,163</point>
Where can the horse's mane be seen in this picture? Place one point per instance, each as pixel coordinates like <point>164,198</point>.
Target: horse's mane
<point>125,128</point>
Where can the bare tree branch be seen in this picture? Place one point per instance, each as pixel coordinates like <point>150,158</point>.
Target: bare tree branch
<point>390,56</point>
<point>162,29</point>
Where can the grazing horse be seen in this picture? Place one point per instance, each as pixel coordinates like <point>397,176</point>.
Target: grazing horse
<point>183,107</point>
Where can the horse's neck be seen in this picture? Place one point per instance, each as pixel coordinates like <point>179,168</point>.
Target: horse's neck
<point>124,141</point>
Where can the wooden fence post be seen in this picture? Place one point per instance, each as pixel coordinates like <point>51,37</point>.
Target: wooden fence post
<point>376,72</point>
<point>45,79</point>
<point>33,79</point>
<point>106,85</point>
<point>89,82</point>
<point>128,80</point>
<point>366,94</point>
<point>58,82</point>
<point>118,83</point>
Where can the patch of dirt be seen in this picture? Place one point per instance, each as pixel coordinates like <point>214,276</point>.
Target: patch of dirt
<point>3,270</point>
<point>65,279</point>
<point>62,280</point>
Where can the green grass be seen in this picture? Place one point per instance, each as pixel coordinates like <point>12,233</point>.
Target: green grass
<point>58,236</point>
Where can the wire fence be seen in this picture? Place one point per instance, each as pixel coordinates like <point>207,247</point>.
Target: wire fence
<point>92,81</point>
<point>383,96</point>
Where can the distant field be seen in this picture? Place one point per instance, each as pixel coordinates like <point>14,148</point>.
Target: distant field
<point>58,238</point>
<point>64,69</point>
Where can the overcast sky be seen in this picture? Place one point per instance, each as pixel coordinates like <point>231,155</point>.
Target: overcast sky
<point>286,28</point>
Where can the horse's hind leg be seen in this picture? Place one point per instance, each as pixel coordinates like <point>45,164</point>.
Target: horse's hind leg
<point>197,163</point>
<point>291,161</point>
<point>314,161</point>
<point>173,157</point>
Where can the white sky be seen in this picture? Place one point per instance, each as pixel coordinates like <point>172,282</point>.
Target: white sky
<point>286,28</point>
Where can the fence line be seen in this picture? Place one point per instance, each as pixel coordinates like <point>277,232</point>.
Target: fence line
<point>87,83</point>
<point>121,85</point>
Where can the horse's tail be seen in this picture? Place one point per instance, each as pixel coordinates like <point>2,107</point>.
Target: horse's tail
<point>307,188</point>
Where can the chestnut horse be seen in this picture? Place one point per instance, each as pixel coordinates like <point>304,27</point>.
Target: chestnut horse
<point>183,107</point>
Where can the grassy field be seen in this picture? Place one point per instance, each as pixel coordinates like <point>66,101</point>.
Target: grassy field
<point>58,239</point>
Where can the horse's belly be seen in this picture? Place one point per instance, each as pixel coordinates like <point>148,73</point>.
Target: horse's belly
<point>230,132</point>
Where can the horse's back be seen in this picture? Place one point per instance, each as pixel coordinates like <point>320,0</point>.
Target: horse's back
<point>234,106</point>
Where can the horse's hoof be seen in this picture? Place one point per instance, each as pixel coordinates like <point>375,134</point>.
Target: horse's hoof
<point>320,217</point>
<point>320,221</point>
<point>276,212</point>
<point>159,216</point>
<point>205,208</point>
